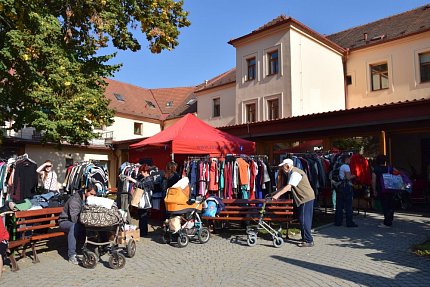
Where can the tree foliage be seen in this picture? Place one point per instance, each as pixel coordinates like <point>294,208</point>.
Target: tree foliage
<point>51,75</point>
<point>368,145</point>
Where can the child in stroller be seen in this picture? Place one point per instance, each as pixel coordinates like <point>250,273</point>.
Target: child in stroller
<point>105,232</point>
<point>184,222</point>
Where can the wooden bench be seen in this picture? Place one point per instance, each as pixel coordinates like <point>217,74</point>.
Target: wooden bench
<point>31,226</point>
<point>249,210</point>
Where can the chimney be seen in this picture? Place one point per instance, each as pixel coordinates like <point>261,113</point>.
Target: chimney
<point>206,82</point>
<point>365,37</point>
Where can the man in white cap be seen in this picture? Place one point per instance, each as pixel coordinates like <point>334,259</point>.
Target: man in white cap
<point>296,181</point>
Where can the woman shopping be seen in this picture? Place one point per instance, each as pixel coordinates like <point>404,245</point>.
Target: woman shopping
<point>49,177</point>
<point>145,183</point>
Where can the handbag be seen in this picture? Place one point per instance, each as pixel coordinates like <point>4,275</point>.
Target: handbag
<point>145,200</point>
<point>99,216</point>
<point>391,182</point>
<point>137,195</point>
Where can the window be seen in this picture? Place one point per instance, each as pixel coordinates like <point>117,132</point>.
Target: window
<point>190,102</point>
<point>273,64</point>
<point>216,107</point>
<point>251,115</point>
<point>273,109</point>
<point>119,97</point>
<point>348,80</point>
<point>138,128</point>
<point>149,104</point>
<point>425,67</point>
<point>379,74</point>
<point>251,69</point>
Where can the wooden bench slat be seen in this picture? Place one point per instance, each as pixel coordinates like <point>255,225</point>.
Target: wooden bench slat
<point>255,212</point>
<point>245,218</point>
<point>234,207</point>
<point>37,220</point>
<point>35,227</point>
<point>47,235</point>
<point>19,242</point>
<point>38,212</point>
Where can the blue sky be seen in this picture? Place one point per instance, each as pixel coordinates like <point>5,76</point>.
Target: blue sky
<point>203,52</point>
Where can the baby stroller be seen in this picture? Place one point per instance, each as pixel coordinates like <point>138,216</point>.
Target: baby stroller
<point>105,233</point>
<point>252,231</point>
<point>184,223</point>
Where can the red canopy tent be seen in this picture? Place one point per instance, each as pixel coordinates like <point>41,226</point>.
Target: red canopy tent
<point>191,136</point>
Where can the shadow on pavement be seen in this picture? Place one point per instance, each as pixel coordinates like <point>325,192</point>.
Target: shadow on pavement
<point>355,276</point>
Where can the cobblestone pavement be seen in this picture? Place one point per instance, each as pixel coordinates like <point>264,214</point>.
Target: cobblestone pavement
<point>363,256</point>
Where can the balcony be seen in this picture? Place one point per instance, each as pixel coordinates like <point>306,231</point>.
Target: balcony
<point>24,134</point>
<point>104,138</point>
<point>30,134</point>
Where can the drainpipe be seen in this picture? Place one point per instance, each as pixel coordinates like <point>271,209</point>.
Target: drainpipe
<point>162,125</point>
<point>345,72</point>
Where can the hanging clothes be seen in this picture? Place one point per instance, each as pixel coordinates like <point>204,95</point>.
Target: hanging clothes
<point>25,179</point>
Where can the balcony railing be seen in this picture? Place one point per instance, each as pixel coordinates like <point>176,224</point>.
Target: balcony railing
<point>103,138</point>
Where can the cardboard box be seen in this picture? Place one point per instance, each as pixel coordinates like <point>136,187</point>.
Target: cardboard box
<point>124,236</point>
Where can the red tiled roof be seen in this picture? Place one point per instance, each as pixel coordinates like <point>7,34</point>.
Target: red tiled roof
<point>147,103</point>
<point>386,29</point>
<point>222,79</point>
<point>169,99</point>
<point>136,100</point>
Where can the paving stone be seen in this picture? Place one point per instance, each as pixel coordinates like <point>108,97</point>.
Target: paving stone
<point>363,256</point>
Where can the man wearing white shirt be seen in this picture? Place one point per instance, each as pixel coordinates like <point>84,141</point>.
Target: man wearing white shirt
<point>296,181</point>
<point>344,194</point>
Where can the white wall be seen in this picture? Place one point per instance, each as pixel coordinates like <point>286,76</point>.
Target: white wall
<point>403,69</point>
<point>227,97</point>
<point>41,153</point>
<point>123,129</point>
<point>310,79</point>
<point>263,86</point>
<point>317,78</point>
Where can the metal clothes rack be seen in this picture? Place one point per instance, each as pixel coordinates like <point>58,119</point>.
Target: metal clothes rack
<point>24,157</point>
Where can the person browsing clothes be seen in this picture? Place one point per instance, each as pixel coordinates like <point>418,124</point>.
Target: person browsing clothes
<point>344,194</point>
<point>386,198</point>
<point>49,177</point>
<point>294,180</point>
<point>144,181</point>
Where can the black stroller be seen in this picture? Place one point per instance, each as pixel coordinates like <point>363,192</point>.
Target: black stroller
<point>112,240</point>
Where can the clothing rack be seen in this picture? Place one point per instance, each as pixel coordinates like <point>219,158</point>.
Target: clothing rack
<point>24,157</point>
<point>199,157</point>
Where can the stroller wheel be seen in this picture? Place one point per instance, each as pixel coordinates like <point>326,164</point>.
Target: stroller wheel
<point>278,241</point>
<point>116,260</point>
<point>131,248</point>
<point>252,240</point>
<point>166,237</point>
<point>204,235</point>
<point>89,260</point>
<point>182,240</point>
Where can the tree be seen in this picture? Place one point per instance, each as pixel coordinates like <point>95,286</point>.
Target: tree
<point>51,75</point>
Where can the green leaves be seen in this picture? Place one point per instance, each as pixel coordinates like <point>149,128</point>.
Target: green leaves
<point>51,74</point>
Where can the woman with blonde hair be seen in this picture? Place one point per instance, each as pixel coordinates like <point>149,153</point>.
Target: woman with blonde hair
<point>49,177</point>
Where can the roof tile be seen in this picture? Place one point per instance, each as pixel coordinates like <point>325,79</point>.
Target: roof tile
<point>386,29</point>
